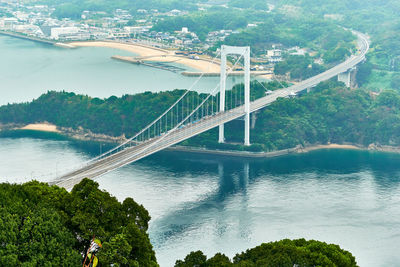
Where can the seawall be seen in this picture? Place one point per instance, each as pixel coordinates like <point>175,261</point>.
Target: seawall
<point>26,37</point>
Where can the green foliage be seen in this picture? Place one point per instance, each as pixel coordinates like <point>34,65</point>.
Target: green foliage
<point>330,113</point>
<point>73,8</point>
<point>289,31</point>
<point>204,22</point>
<point>47,226</point>
<point>281,253</point>
<point>395,83</point>
<point>378,18</point>
<point>196,258</point>
<point>254,4</point>
<point>112,116</point>
<point>363,73</point>
<point>299,67</point>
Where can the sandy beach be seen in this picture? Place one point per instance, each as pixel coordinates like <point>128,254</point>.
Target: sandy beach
<point>147,53</point>
<point>43,127</point>
<point>334,146</point>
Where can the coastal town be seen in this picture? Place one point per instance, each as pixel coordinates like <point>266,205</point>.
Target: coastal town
<point>38,22</point>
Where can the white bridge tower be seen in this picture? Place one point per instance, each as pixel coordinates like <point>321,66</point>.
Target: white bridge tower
<point>245,51</point>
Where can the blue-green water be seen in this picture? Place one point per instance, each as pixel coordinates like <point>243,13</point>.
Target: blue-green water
<point>29,69</point>
<point>215,204</point>
<point>212,203</point>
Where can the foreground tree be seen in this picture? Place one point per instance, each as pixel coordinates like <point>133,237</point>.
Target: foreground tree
<point>282,253</point>
<point>47,226</point>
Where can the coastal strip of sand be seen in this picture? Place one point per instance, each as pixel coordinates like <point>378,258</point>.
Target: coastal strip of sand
<point>147,53</point>
<point>43,127</point>
<point>331,146</point>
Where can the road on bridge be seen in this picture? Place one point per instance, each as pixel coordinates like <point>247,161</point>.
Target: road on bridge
<point>128,155</point>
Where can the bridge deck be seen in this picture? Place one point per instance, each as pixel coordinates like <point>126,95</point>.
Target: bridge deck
<point>141,150</point>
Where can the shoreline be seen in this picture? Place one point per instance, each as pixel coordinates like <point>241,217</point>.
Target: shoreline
<point>26,37</point>
<point>202,66</point>
<point>88,136</point>
<point>144,52</point>
<point>153,54</point>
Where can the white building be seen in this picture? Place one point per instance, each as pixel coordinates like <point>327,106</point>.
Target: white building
<point>274,55</point>
<point>9,23</point>
<point>64,31</point>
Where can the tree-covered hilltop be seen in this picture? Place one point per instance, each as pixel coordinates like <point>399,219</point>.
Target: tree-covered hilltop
<point>379,19</point>
<point>331,113</point>
<point>272,28</point>
<point>112,116</point>
<point>282,253</point>
<point>43,225</point>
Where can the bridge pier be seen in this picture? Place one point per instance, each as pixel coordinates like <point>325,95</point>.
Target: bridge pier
<point>245,51</point>
<point>348,78</point>
<point>222,88</point>
<point>253,120</point>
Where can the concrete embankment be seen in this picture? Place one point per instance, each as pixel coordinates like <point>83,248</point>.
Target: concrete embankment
<point>158,65</point>
<point>65,45</point>
<point>233,153</point>
<point>26,37</point>
<point>217,74</point>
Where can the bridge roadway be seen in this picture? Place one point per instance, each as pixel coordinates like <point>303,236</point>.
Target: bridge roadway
<point>141,150</point>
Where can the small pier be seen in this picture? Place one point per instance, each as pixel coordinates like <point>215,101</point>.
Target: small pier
<point>158,65</point>
<point>217,74</point>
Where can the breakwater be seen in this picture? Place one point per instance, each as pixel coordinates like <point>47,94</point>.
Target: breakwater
<point>158,65</point>
<point>217,74</point>
<point>27,37</point>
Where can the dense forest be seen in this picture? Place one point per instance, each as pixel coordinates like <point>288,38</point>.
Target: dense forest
<point>379,19</point>
<point>112,116</point>
<point>43,225</point>
<point>282,253</point>
<point>329,114</point>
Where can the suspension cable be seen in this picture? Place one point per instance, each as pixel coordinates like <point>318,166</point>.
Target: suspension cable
<point>155,121</point>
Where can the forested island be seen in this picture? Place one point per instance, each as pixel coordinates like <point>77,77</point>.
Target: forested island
<point>42,225</point>
<point>331,113</point>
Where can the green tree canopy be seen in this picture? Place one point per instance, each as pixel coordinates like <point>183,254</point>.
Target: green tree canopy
<point>47,226</point>
<point>285,253</point>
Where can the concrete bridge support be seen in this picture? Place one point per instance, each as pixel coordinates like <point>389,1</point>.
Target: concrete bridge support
<point>245,51</point>
<point>349,78</point>
<point>253,120</point>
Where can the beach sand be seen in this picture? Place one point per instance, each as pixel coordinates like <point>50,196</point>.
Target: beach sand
<point>147,53</point>
<point>331,146</point>
<point>43,127</point>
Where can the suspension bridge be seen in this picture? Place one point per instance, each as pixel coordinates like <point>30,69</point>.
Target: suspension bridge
<point>191,115</point>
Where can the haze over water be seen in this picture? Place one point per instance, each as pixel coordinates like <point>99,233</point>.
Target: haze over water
<point>215,204</point>
<point>350,198</point>
<point>29,69</point>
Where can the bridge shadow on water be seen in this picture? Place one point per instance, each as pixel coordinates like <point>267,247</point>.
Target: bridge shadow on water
<point>236,175</point>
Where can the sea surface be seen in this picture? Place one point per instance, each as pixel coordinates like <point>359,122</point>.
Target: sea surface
<point>221,204</point>
<point>29,69</point>
<point>205,202</point>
